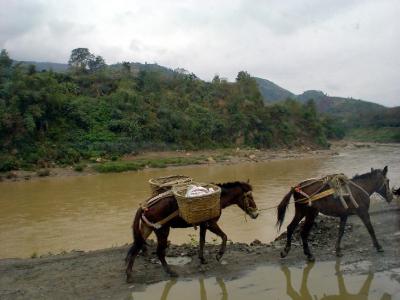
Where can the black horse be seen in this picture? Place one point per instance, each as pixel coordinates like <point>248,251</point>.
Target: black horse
<point>363,186</point>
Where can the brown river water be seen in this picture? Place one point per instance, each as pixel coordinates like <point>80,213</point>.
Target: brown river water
<point>93,212</point>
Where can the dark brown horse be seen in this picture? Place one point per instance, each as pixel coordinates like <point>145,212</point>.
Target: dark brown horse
<point>363,186</point>
<point>239,193</point>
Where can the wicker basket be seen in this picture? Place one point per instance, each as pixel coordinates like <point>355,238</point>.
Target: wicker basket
<point>162,184</point>
<point>198,209</point>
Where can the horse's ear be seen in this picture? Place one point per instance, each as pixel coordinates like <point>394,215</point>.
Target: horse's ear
<point>248,180</point>
<point>372,170</point>
<point>385,169</point>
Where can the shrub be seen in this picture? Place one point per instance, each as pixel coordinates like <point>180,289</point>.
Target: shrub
<point>8,163</point>
<point>79,167</point>
<point>43,172</point>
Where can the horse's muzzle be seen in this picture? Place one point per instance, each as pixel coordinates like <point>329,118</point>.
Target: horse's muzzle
<point>253,214</point>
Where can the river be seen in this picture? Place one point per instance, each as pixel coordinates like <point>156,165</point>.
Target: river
<point>90,212</point>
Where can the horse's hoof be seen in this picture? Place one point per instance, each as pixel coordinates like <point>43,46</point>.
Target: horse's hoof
<point>219,256</point>
<point>339,254</point>
<point>172,273</point>
<point>284,254</point>
<point>203,261</point>
<point>311,258</point>
<point>129,278</point>
<point>380,249</point>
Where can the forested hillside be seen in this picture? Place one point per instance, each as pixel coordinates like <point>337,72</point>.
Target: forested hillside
<point>96,110</point>
<point>356,119</point>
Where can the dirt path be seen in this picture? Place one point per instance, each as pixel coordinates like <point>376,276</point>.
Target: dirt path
<point>100,274</point>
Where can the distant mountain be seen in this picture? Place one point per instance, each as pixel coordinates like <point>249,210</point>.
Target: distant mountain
<point>135,67</point>
<point>272,92</point>
<point>340,106</point>
<point>47,66</point>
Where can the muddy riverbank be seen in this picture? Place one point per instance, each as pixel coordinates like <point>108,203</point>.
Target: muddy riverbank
<point>162,159</point>
<point>100,274</point>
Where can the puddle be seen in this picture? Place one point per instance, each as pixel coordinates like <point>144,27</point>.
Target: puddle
<point>323,280</point>
<point>178,261</point>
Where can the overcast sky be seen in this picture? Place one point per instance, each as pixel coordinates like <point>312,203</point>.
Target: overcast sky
<point>342,47</point>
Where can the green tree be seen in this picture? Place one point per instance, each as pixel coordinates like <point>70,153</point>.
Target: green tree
<point>96,64</point>
<point>5,60</point>
<point>80,59</point>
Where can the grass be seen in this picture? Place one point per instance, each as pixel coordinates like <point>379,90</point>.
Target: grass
<point>122,166</point>
<point>378,135</point>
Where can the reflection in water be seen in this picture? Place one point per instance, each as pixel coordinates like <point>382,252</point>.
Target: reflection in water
<point>168,285</point>
<point>304,293</point>
<point>322,281</point>
<point>203,291</point>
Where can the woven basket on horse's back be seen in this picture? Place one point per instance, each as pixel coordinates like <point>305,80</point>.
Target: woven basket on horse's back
<point>198,209</point>
<point>162,184</point>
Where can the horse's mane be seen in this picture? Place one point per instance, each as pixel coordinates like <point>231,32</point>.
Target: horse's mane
<point>246,186</point>
<point>368,175</point>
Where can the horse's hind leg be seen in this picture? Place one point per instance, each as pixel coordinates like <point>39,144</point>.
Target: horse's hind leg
<point>343,220</point>
<point>146,231</point>
<point>214,228</point>
<point>305,231</point>
<point>130,259</point>
<point>364,216</point>
<point>162,243</point>
<point>290,229</point>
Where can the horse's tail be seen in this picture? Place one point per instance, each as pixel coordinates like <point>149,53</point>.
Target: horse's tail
<point>281,210</point>
<point>137,235</point>
<point>138,240</point>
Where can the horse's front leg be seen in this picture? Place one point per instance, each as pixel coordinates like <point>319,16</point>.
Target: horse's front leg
<point>162,243</point>
<point>214,228</point>
<point>364,216</point>
<point>203,229</point>
<point>343,220</point>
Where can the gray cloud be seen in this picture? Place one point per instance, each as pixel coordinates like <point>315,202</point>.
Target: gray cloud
<point>343,47</point>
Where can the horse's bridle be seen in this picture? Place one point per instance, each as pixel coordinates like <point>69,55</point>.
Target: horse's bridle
<point>246,204</point>
<point>385,184</point>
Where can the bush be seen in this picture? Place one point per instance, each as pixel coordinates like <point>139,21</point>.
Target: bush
<point>79,167</point>
<point>120,166</point>
<point>8,163</point>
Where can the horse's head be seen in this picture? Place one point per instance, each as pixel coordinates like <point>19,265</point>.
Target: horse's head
<point>246,201</point>
<point>383,188</point>
<point>239,193</point>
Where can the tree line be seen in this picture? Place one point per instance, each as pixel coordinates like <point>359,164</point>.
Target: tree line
<point>99,110</point>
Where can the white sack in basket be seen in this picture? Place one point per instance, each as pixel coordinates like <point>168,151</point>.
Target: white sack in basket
<point>195,191</point>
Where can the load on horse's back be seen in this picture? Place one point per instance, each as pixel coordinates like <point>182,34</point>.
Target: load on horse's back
<point>164,214</point>
<point>333,195</point>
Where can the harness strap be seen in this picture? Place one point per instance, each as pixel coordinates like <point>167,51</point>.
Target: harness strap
<point>359,187</point>
<point>159,224</point>
<point>317,196</point>
<point>153,200</point>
